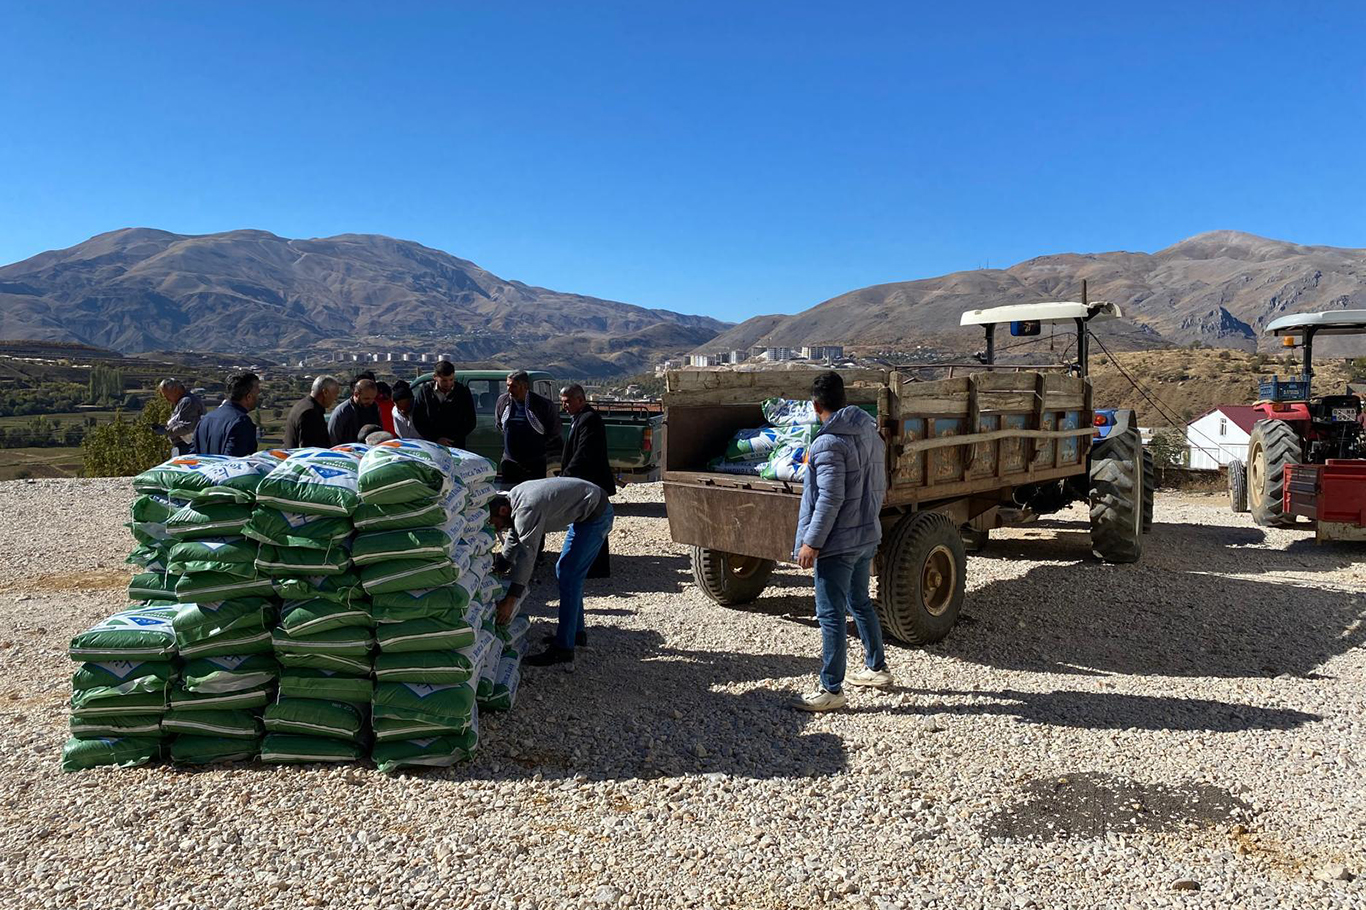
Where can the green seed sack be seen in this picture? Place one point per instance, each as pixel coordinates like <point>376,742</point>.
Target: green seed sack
<point>515,632</point>
<point>225,673</point>
<point>198,622</point>
<point>211,586</point>
<point>199,722</point>
<point>141,725</point>
<point>207,750</point>
<point>344,588</point>
<point>482,539</point>
<point>129,705</point>
<point>209,520</point>
<point>425,603</point>
<point>409,575</point>
<point>471,469</point>
<point>503,694</point>
<point>313,717</point>
<point>415,543</point>
<point>108,679</point>
<point>448,666</point>
<point>291,529</point>
<point>306,617</point>
<point>290,748</point>
<point>154,507</point>
<point>480,495</point>
<point>313,482</point>
<point>240,642</point>
<point>389,730</point>
<point>346,641</point>
<point>150,534</point>
<point>180,476</point>
<point>327,685</point>
<point>115,751</point>
<point>241,700</point>
<point>431,513</point>
<point>150,558</point>
<point>220,555</point>
<point>443,703</point>
<point>430,634</point>
<point>138,633</point>
<point>152,587</point>
<point>431,752</point>
<point>405,470</point>
<point>341,664</point>
<point>290,562</point>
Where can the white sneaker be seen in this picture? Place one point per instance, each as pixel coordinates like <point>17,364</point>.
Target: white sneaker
<point>820,700</point>
<point>878,679</point>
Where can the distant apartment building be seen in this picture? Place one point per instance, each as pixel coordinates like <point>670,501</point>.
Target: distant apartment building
<point>773,354</point>
<point>737,356</point>
<point>829,352</point>
<point>445,357</point>
<point>704,360</point>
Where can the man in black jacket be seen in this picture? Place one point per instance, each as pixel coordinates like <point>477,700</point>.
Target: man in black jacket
<point>443,409</point>
<point>307,422</point>
<point>355,412</point>
<point>585,457</point>
<point>530,425</point>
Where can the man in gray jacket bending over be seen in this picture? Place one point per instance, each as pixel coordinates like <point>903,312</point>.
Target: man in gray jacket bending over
<point>527,513</point>
<point>837,533</point>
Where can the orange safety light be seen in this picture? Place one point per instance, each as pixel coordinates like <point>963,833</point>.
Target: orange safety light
<point>1101,420</point>
<point>1289,341</point>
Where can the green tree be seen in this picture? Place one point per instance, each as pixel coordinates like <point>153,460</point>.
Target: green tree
<point>1168,449</point>
<point>124,447</point>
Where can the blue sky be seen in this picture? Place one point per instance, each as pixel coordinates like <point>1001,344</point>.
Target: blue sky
<point>727,159</point>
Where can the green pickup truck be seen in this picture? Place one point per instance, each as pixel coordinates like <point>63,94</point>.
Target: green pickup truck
<point>635,430</point>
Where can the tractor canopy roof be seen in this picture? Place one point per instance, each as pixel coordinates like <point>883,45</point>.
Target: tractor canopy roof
<point>1333,322</point>
<point>1055,311</point>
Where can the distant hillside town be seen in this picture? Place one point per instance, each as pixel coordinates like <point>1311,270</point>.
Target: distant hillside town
<point>832,354</point>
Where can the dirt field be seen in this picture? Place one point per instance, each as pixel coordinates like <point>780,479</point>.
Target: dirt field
<point>1189,731</point>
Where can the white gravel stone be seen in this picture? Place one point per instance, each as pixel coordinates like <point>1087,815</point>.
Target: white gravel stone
<point>1104,731</point>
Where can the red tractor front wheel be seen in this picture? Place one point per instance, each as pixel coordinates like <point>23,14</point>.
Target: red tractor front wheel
<point>1274,444</point>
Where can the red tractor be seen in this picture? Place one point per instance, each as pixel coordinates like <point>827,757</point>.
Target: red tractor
<point>1306,456</point>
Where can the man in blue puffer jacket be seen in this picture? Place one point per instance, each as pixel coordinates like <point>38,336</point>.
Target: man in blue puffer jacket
<point>838,533</point>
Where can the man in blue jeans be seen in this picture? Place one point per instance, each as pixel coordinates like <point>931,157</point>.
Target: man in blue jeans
<point>527,513</point>
<point>838,533</point>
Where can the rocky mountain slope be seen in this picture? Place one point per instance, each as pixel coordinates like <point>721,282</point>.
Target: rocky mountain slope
<point>1218,288</point>
<point>250,291</point>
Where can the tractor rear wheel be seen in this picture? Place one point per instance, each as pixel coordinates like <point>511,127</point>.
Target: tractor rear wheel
<point>1274,444</point>
<point>1117,497</point>
<point>728,578</point>
<point>1237,485</point>
<point>921,579</point>
<point>1149,490</point>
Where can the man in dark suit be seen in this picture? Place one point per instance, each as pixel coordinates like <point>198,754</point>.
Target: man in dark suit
<point>227,429</point>
<point>306,425</point>
<point>443,410</point>
<point>585,457</point>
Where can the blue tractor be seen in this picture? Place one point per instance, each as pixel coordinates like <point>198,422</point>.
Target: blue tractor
<point>1119,485</point>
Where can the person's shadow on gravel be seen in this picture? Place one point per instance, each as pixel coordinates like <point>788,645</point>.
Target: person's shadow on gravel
<point>635,709</point>
<point>1103,711</point>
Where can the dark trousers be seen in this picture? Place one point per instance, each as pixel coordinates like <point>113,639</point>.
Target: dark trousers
<point>514,472</point>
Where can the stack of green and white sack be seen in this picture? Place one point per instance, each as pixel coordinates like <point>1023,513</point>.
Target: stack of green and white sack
<point>498,686</point>
<point>227,609</point>
<point>324,639</point>
<point>419,547</point>
<point>120,689</point>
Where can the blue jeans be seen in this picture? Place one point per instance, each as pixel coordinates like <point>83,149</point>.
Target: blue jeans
<point>581,546</point>
<point>842,588</point>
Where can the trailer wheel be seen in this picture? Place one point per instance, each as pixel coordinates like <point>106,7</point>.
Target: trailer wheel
<point>1237,485</point>
<point>1149,490</point>
<point>974,539</point>
<point>1117,497</point>
<point>1273,445</point>
<point>921,583</point>
<point>728,578</point>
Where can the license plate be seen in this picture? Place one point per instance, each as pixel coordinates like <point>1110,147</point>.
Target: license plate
<point>1344,415</point>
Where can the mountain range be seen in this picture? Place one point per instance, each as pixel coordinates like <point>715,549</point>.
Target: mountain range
<point>1220,289</point>
<point>249,291</point>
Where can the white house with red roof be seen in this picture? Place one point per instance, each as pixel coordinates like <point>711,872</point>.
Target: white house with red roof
<point>1220,435</point>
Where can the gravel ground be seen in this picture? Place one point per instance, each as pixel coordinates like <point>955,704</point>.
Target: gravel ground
<point>1183,732</point>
